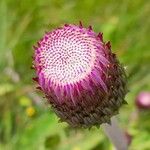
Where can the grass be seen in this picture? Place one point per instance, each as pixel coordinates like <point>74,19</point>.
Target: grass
<point>25,121</point>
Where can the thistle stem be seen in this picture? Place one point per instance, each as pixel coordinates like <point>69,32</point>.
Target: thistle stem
<point>115,134</point>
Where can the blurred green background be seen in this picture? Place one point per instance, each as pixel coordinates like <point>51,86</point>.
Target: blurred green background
<point>26,123</point>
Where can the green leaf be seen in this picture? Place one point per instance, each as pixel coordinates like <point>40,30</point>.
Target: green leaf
<point>35,133</point>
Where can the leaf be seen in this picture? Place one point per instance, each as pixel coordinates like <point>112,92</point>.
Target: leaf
<point>36,132</point>
<point>3,31</point>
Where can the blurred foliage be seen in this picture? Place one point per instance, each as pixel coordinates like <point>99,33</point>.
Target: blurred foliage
<point>26,123</point>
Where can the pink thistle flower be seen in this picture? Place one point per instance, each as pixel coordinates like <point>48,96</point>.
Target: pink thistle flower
<point>80,76</point>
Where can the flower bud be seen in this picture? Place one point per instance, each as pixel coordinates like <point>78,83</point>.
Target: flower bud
<point>143,100</point>
<point>80,76</point>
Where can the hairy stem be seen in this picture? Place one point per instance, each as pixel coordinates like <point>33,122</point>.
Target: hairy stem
<point>115,134</point>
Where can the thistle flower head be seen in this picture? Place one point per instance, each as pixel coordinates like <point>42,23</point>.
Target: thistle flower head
<point>80,76</point>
